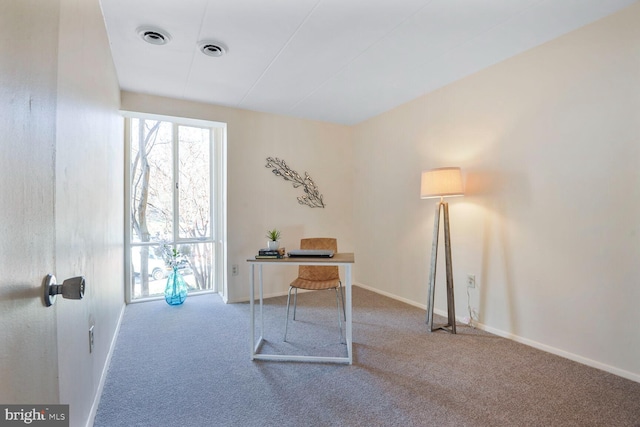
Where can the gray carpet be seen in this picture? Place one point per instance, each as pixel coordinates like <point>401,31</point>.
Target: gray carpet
<point>189,366</point>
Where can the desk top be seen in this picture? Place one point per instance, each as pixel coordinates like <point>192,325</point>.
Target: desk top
<point>338,258</point>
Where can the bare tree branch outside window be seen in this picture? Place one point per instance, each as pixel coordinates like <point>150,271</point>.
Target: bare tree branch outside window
<point>153,188</point>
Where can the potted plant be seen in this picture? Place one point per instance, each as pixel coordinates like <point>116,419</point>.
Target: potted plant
<point>274,237</point>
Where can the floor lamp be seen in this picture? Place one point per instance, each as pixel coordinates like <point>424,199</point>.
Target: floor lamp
<point>441,182</point>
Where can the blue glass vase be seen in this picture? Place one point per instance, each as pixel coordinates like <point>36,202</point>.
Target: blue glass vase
<point>176,290</point>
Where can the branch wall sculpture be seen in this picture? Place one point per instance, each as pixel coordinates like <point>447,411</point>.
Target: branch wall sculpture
<point>312,196</point>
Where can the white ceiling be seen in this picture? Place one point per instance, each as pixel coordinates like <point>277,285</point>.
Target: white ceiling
<point>341,61</point>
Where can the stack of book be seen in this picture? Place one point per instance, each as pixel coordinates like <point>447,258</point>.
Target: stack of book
<point>271,253</point>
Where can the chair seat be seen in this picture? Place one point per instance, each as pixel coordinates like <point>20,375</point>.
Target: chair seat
<point>317,278</point>
<point>315,285</point>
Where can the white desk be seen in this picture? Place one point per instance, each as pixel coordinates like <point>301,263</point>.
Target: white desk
<point>339,259</point>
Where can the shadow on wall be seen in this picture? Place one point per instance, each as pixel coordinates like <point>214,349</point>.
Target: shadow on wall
<point>498,193</point>
<point>22,292</point>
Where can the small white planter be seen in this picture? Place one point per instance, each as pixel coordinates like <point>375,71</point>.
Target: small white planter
<point>273,244</point>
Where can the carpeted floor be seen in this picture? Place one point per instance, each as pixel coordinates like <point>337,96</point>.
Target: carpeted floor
<point>190,366</point>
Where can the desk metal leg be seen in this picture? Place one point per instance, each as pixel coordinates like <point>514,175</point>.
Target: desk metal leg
<point>252,320</point>
<point>349,312</point>
<point>255,345</point>
<point>261,301</point>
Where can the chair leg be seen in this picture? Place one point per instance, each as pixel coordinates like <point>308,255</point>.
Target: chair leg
<point>344,310</point>
<point>339,296</point>
<point>338,307</point>
<point>286,323</point>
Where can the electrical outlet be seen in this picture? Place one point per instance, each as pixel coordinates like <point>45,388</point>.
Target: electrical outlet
<point>234,270</point>
<point>91,342</point>
<point>471,281</point>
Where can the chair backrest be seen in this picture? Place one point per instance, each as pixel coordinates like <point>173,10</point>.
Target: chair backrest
<point>313,272</point>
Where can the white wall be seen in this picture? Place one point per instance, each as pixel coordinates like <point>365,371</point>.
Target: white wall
<point>89,200</point>
<point>258,200</point>
<point>549,145</point>
<point>61,198</point>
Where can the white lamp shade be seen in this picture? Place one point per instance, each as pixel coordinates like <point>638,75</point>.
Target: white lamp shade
<point>441,182</point>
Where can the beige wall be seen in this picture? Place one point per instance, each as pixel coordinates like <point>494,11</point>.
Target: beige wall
<point>89,197</point>
<point>258,200</point>
<point>549,146</point>
<point>61,201</point>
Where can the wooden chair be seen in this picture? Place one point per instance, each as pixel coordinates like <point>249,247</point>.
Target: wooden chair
<point>317,278</point>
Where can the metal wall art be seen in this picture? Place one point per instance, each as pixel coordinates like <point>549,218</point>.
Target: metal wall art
<point>312,196</point>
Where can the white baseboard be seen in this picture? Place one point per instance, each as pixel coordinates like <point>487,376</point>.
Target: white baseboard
<point>549,349</point>
<point>562,353</point>
<point>105,369</point>
<point>392,296</point>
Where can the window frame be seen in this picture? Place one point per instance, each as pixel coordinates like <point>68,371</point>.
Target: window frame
<point>218,208</point>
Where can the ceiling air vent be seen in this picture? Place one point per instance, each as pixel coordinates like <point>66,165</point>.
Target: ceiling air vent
<point>211,48</point>
<point>154,35</point>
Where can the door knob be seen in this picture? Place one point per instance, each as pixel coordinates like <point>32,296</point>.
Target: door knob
<point>72,288</point>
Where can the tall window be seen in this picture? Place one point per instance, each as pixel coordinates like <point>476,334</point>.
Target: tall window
<point>175,203</point>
